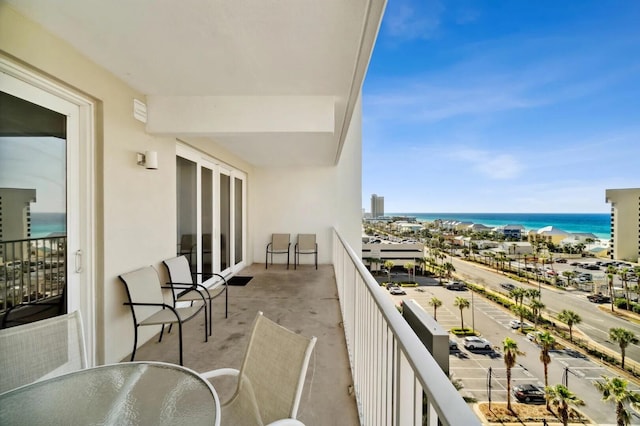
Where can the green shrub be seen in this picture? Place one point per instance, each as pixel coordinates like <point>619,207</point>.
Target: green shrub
<point>462,332</point>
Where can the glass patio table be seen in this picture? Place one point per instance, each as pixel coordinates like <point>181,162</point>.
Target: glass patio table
<point>142,393</point>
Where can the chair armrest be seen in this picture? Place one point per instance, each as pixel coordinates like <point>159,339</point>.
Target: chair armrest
<point>164,305</point>
<point>220,372</point>
<point>286,422</point>
<point>179,285</point>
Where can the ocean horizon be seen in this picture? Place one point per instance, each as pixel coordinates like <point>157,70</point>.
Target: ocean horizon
<point>598,224</point>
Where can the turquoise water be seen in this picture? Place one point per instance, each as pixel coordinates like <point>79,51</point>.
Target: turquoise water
<point>598,224</point>
<point>44,224</point>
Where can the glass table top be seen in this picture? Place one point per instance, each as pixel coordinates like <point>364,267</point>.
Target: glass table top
<point>138,393</point>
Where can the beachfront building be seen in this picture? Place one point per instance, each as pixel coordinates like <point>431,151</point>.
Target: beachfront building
<point>512,232</point>
<point>253,112</point>
<point>406,227</point>
<point>477,227</point>
<point>548,234</point>
<point>377,206</point>
<point>625,223</point>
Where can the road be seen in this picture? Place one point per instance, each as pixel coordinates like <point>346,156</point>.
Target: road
<point>595,323</point>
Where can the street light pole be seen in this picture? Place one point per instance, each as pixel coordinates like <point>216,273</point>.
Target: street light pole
<point>473,310</point>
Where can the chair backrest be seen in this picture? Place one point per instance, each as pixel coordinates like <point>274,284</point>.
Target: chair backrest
<point>280,242</point>
<point>306,242</point>
<point>179,272</point>
<point>41,350</point>
<point>275,365</point>
<point>143,286</point>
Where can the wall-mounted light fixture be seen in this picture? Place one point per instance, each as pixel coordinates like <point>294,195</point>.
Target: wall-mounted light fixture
<point>149,159</point>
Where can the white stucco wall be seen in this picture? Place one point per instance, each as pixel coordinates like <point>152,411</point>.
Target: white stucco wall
<point>310,200</point>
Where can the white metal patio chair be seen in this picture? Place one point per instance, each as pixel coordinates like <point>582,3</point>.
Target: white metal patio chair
<point>306,245</point>
<point>280,244</point>
<point>41,350</point>
<point>271,378</point>
<point>185,289</point>
<point>146,301</point>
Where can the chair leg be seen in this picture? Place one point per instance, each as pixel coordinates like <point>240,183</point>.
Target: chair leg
<point>287,260</point>
<point>266,259</point>
<point>180,334</point>
<point>162,332</point>
<point>316,260</point>
<point>135,342</point>
<point>210,315</point>
<point>226,300</point>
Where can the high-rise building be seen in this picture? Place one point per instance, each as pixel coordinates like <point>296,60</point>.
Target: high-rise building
<point>15,216</point>
<point>377,206</point>
<point>625,223</point>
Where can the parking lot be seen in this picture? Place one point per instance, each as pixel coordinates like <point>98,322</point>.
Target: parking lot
<point>471,367</point>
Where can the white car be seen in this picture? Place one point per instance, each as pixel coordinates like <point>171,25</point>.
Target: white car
<point>517,324</point>
<point>533,336</point>
<point>475,342</point>
<point>397,291</point>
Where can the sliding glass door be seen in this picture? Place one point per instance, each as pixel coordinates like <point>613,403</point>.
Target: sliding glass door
<point>211,199</point>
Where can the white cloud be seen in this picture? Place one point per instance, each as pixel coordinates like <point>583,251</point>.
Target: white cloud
<point>497,166</point>
<point>409,20</point>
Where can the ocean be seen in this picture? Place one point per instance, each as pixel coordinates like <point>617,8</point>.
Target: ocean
<point>598,224</point>
<point>44,224</point>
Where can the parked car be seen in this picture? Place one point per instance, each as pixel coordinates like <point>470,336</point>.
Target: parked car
<point>397,291</point>
<point>508,286</point>
<point>475,342</point>
<point>561,260</point>
<point>453,345</point>
<point>528,393</point>
<point>457,286</point>
<point>517,324</point>
<point>533,336</point>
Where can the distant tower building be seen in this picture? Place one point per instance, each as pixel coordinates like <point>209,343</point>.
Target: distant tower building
<point>625,223</point>
<point>15,215</point>
<point>377,206</point>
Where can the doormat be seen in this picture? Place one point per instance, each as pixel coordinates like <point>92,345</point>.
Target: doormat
<point>239,280</point>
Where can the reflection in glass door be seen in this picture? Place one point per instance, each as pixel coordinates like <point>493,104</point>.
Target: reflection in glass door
<point>33,206</point>
<point>187,199</point>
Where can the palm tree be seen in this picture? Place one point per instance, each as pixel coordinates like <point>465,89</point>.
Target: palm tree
<point>521,311</point>
<point>388,265</point>
<point>611,270</point>
<point>409,267</point>
<point>517,294</point>
<point>570,276</point>
<point>536,307</point>
<point>547,342</point>
<point>623,274</point>
<point>615,389</point>
<point>570,318</point>
<point>436,303</point>
<point>561,397</point>
<point>623,337</point>
<point>461,303</point>
<point>449,268</point>
<point>532,293</point>
<point>511,352</point>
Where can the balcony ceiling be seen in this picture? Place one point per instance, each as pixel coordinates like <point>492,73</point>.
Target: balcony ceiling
<point>274,82</point>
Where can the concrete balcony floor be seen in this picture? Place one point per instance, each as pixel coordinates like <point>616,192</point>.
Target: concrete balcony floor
<point>305,301</point>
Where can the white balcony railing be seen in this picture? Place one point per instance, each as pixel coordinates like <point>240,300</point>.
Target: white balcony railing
<point>396,380</point>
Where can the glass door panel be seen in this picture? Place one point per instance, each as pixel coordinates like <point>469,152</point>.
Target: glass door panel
<point>206,212</point>
<point>225,221</point>
<point>238,223</point>
<point>187,212</point>
<point>33,205</point>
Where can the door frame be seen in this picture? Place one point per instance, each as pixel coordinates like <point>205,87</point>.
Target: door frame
<point>81,181</point>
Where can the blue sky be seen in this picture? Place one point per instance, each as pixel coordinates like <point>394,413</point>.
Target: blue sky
<point>502,105</point>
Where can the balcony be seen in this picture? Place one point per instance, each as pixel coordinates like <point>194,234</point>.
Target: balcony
<point>376,375</point>
<point>31,270</point>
